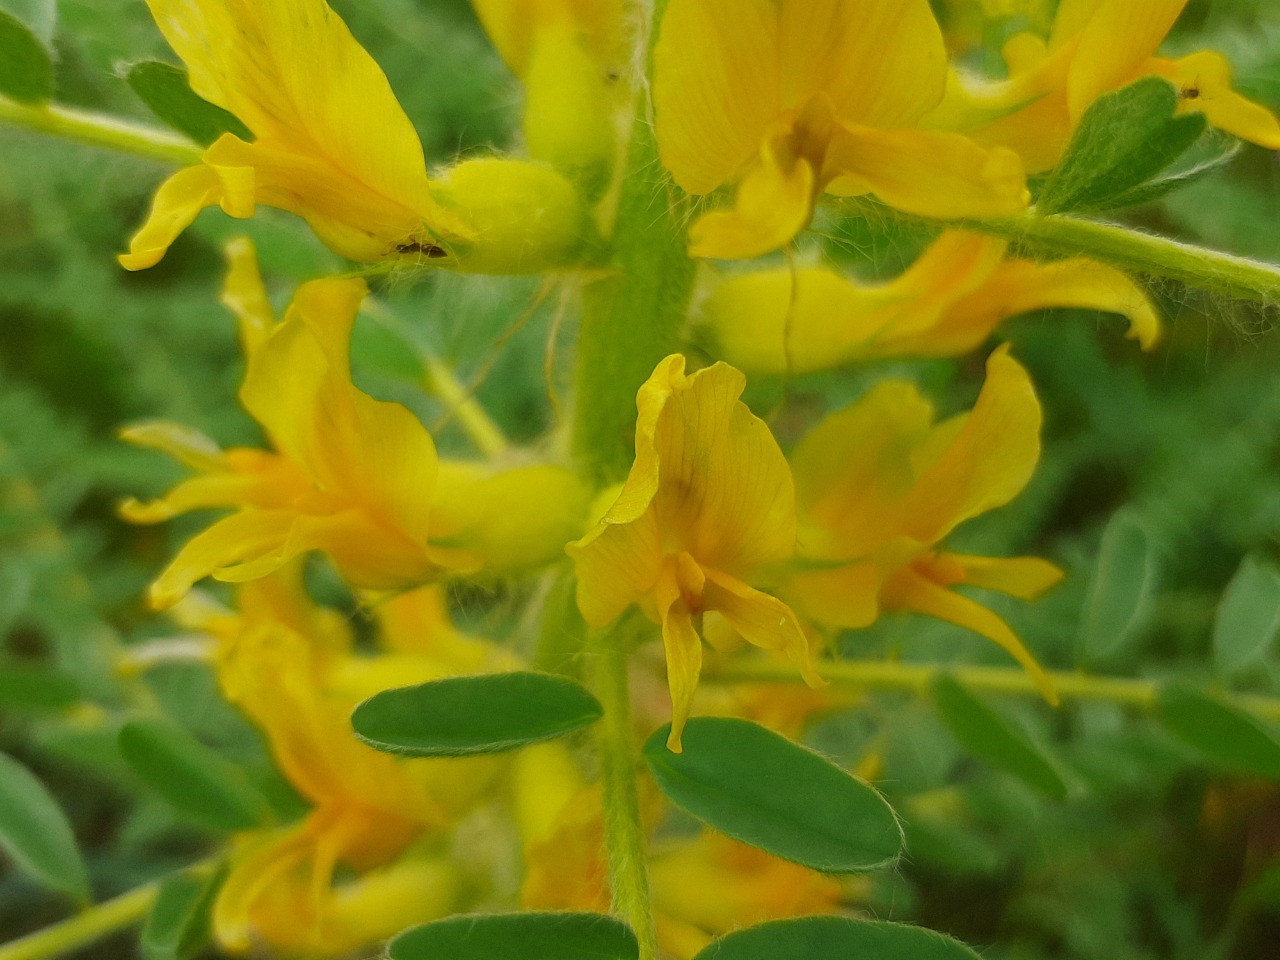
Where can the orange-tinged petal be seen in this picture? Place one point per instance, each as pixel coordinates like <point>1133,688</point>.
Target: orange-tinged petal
<point>771,206</point>
<point>1115,37</point>
<point>928,172</point>
<point>854,468</point>
<point>762,620</point>
<point>174,208</point>
<point>1022,577</point>
<point>909,590</point>
<point>716,87</point>
<point>990,457</point>
<point>1204,79</point>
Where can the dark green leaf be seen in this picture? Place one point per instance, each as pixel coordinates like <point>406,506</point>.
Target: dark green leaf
<point>195,780</point>
<point>518,936</point>
<point>40,15</point>
<point>1223,733</point>
<point>1211,152</point>
<point>26,69</point>
<point>836,938</point>
<point>1248,616</point>
<point>992,738</point>
<point>178,925</point>
<point>35,834</point>
<point>25,687</point>
<point>764,790</point>
<point>1120,595</point>
<point>1124,139</point>
<point>164,88</point>
<point>462,716</point>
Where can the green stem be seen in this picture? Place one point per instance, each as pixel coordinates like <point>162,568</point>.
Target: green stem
<point>917,678</point>
<point>100,130</point>
<point>86,927</point>
<point>1139,252</point>
<point>623,831</point>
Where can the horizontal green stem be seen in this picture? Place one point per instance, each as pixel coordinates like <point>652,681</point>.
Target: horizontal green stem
<point>917,677</point>
<point>85,927</point>
<point>100,130</point>
<point>1138,252</point>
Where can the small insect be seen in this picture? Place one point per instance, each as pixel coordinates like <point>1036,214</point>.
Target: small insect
<point>429,250</point>
<point>1191,93</point>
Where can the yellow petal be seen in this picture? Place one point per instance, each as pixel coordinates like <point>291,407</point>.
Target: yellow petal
<point>513,519</point>
<point>615,564</point>
<point>843,596</point>
<point>258,861</point>
<point>1020,286</point>
<point>250,534</point>
<point>716,87</point>
<point>1204,79</point>
<point>418,622</point>
<point>1022,577</point>
<point>762,620</point>
<point>910,591</point>
<point>771,206</point>
<point>854,469</point>
<point>927,172</point>
<point>545,780</point>
<point>244,294</point>
<point>989,458</point>
<point>680,640</point>
<point>189,447</point>
<point>174,208</point>
<point>1114,40</point>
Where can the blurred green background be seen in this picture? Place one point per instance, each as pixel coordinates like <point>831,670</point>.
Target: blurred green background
<point>1154,853</point>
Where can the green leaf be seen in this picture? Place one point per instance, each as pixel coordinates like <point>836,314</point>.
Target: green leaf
<point>1211,152</point>
<point>195,780</point>
<point>1222,732</point>
<point>164,88</point>
<point>462,716</point>
<point>1248,617</point>
<point>836,938</point>
<point>1124,139</point>
<point>518,936</point>
<point>40,15</point>
<point>178,925</point>
<point>26,69</point>
<point>33,688</point>
<point>764,790</point>
<point>35,833</point>
<point>1121,592</point>
<point>992,738</point>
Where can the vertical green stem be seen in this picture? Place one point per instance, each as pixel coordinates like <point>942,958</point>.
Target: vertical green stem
<point>623,831</point>
<point>73,933</point>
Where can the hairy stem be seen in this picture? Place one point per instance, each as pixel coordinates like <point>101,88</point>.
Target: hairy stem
<point>624,833</point>
<point>100,130</point>
<point>1140,253</point>
<point>85,927</point>
<point>917,677</point>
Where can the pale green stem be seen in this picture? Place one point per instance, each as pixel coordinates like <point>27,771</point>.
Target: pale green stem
<point>100,130</point>
<point>85,927</point>
<point>917,677</point>
<point>623,832</point>
<point>1138,252</point>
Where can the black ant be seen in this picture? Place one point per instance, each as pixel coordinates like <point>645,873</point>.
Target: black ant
<point>429,250</point>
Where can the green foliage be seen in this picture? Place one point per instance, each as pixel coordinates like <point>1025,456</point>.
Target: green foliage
<point>1223,733</point>
<point>764,790</point>
<point>1248,617</point>
<point>26,68</point>
<point>836,938</point>
<point>163,87</point>
<point>178,925</point>
<point>36,688</point>
<point>194,779</point>
<point>520,936</point>
<point>462,716</point>
<point>987,735</point>
<point>35,834</point>
<point>1122,588</point>
<point>1124,139</point>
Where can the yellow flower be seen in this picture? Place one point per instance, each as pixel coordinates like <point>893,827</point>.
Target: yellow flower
<point>289,667</point>
<point>332,145</point>
<point>879,485</point>
<point>702,887</point>
<point>570,55</point>
<point>945,304</point>
<point>791,98</point>
<point>354,477</point>
<point>709,503</point>
<point>1094,47</point>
